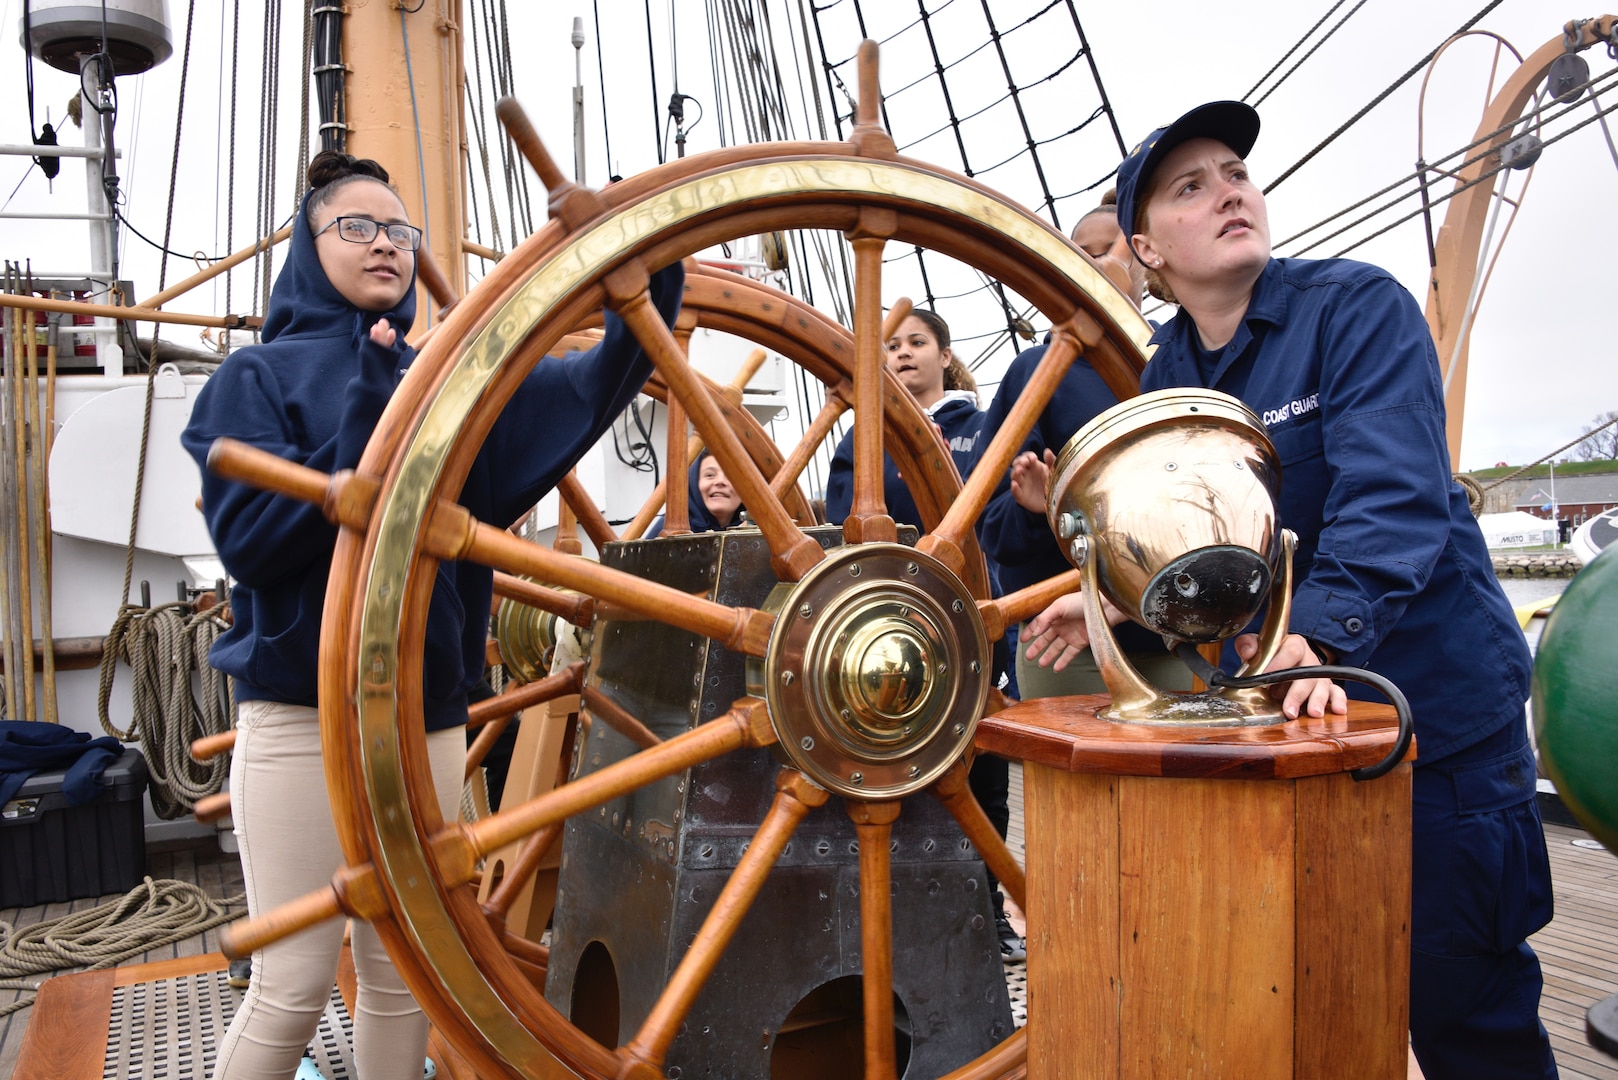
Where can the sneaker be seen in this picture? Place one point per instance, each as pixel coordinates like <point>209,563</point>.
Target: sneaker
<point>241,973</point>
<point>1012,948</point>
<point>308,1071</point>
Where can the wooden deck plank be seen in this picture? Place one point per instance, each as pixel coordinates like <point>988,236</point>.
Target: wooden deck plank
<point>76,1043</point>
<point>1578,951</point>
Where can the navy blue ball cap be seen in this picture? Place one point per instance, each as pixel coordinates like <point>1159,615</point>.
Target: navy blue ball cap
<point>1233,123</point>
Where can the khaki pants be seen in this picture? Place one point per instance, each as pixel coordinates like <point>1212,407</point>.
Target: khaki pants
<point>289,847</point>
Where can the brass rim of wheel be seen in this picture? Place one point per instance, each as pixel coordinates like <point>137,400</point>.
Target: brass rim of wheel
<point>409,863</point>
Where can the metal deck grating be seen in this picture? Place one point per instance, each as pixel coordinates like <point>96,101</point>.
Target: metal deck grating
<point>1017,987</point>
<point>170,1030</point>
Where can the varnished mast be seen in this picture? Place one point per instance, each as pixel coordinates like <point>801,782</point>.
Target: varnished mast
<point>397,103</point>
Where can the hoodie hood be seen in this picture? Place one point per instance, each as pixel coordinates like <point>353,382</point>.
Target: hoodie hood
<point>968,398</point>
<point>304,303</point>
<point>697,510</point>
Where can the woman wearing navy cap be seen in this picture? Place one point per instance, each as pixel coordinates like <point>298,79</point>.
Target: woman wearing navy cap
<point>1392,573</point>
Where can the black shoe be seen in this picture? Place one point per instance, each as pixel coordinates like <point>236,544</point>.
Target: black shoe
<point>241,973</point>
<point>1012,948</point>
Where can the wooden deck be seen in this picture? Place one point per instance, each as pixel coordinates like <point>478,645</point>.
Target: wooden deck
<point>1579,950</point>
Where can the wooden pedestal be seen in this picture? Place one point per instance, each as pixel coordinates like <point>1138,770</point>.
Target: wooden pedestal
<point>1212,902</point>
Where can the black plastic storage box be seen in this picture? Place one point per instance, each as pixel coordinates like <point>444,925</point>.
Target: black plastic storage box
<point>50,851</point>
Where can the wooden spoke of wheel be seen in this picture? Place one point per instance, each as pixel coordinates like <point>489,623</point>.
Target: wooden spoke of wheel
<point>497,711</point>
<point>211,808</point>
<point>945,541</point>
<point>567,531</point>
<point>438,285</point>
<point>453,534</point>
<point>529,854</point>
<point>791,552</point>
<point>356,891</point>
<point>868,518</point>
<point>1013,608</point>
<point>953,791</point>
<point>825,349</point>
<point>576,609</point>
<point>1009,1061</point>
<point>755,440</point>
<point>487,736</point>
<point>526,695</point>
<point>732,393</point>
<point>617,717</point>
<point>746,724</point>
<point>804,452</point>
<point>677,516</point>
<point>211,746</point>
<point>585,510</point>
<point>873,822</point>
<point>795,796</point>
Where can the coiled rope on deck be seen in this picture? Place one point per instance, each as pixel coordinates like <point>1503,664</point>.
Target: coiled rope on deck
<point>152,914</point>
<point>164,646</point>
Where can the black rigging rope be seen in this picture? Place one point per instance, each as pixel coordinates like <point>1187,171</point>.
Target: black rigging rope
<point>1312,50</point>
<point>480,128</point>
<point>1095,76</point>
<point>1488,174</point>
<point>651,58</point>
<point>1295,47</point>
<point>230,182</point>
<point>601,75</point>
<point>1374,102</point>
<point>1481,141</point>
<point>949,105</point>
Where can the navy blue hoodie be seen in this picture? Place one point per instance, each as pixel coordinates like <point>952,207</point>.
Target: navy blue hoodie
<point>960,420</point>
<point>312,393</point>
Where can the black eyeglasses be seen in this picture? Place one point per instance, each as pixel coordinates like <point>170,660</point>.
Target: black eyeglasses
<point>362,230</point>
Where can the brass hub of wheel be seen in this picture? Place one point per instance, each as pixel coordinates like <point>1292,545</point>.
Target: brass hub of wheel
<point>878,670</point>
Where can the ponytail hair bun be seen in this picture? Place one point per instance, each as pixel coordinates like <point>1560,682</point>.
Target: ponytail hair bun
<point>330,166</point>
<point>331,171</point>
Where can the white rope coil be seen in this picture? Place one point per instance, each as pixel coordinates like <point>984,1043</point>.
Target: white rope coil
<point>153,913</point>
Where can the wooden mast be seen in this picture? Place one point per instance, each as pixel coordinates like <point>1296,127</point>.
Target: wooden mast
<point>396,103</point>
<point>1461,235</point>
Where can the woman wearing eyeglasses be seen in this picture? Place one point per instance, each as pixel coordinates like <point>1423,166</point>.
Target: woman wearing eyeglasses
<point>332,352</point>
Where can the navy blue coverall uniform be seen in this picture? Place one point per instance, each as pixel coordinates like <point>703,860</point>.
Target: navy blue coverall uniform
<point>1393,575</point>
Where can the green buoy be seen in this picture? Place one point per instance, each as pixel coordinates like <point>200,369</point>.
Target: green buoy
<point>1576,698</point>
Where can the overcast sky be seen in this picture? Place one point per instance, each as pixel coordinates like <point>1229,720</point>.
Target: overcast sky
<point>1542,363</point>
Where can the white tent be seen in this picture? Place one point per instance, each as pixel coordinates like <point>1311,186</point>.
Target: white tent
<point>1516,529</point>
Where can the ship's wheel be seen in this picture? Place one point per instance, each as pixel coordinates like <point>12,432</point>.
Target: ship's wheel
<point>837,735</point>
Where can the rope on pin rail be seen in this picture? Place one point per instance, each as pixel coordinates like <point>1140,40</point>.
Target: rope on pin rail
<point>164,647</point>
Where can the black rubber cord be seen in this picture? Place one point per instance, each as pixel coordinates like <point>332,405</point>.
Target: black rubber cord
<point>1216,678</point>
